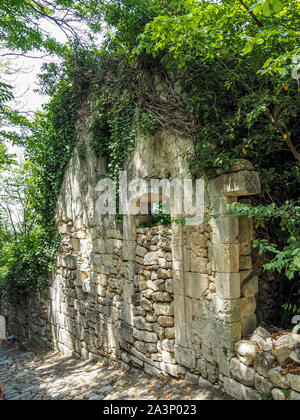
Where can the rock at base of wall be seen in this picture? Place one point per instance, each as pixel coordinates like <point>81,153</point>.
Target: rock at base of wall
<point>239,391</point>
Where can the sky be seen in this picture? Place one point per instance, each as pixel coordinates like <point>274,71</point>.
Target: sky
<point>25,81</point>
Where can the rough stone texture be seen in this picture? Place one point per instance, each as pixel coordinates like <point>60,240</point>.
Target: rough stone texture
<point>278,395</point>
<point>277,379</point>
<point>263,363</point>
<point>242,373</point>
<point>239,391</point>
<point>246,351</point>
<point>294,381</point>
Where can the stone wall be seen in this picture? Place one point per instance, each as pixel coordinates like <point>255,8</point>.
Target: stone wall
<point>170,300</point>
<point>266,366</point>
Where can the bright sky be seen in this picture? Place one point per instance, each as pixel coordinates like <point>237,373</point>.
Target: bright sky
<point>25,81</point>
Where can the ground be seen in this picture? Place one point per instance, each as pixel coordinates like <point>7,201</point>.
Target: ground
<point>47,375</point>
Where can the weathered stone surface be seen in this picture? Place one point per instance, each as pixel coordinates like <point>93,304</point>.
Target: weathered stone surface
<point>250,287</point>
<point>295,355</point>
<point>246,351</point>
<point>164,308</point>
<point>161,297</point>
<point>278,395</point>
<point>185,357</point>
<point>286,341</point>
<point>145,336</point>
<point>228,285</point>
<point>295,396</point>
<point>166,321</point>
<point>294,381</point>
<point>276,378</point>
<point>263,338</point>
<point>239,391</point>
<point>263,363</point>
<point>282,355</point>
<point>262,385</point>
<point>242,373</point>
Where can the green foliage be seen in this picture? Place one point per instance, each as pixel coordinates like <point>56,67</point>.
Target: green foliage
<point>266,397</point>
<point>287,256</point>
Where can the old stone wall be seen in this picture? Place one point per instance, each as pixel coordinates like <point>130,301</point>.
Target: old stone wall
<point>170,300</point>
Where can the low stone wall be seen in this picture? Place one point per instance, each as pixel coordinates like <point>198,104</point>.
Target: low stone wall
<point>265,367</point>
<point>27,317</point>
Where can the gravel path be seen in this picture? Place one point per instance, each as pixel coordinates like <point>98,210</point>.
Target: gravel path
<point>32,375</point>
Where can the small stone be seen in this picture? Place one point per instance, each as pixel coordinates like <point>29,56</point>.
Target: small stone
<point>282,355</point>
<point>262,385</point>
<point>294,381</point>
<point>166,321</point>
<point>263,363</point>
<point>275,377</point>
<point>278,394</point>
<point>239,391</point>
<point>295,396</point>
<point>246,351</point>
<point>286,341</point>
<point>242,373</point>
<point>263,338</point>
<point>295,355</point>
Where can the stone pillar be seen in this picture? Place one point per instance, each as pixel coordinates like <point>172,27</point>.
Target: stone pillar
<point>231,250</point>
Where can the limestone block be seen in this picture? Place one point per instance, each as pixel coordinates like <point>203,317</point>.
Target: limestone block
<point>295,396</point>
<point>262,385</point>
<point>171,369</point>
<point>141,251</point>
<point>250,287</point>
<point>166,321</point>
<point>142,335</point>
<point>228,285</point>
<point>245,262</point>
<point>282,355</point>
<point>151,370</point>
<point>168,345</point>
<point>185,357</point>
<point>224,230</point>
<point>248,306</point>
<point>286,341</point>
<point>183,333</point>
<point>294,381</point>
<point>248,324</point>
<point>225,258</point>
<point>198,264</point>
<point>246,231</point>
<point>242,373</point>
<point>227,310</point>
<point>196,284</point>
<point>202,367</point>
<point>128,251</point>
<point>263,338</point>
<point>278,395</point>
<point>161,297</point>
<point>183,308</point>
<point>246,351</point>
<point>219,205</point>
<point>178,282</point>
<point>164,308</point>
<point>276,378</point>
<point>239,391</point>
<point>241,183</point>
<point>151,258</point>
<point>160,331</point>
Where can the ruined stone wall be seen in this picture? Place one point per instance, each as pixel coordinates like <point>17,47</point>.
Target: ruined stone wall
<point>170,300</point>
